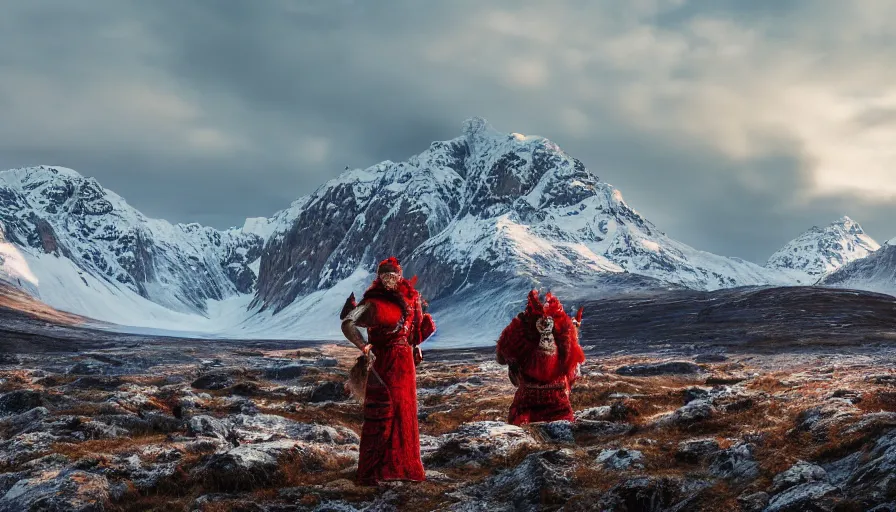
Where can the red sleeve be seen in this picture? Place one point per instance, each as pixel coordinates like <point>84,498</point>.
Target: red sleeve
<point>427,327</point>
<point>416,324</point>
<point>509,340</point>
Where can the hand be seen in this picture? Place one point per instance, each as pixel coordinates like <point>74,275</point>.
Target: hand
<point>418,355</point>
<point>366,349</point>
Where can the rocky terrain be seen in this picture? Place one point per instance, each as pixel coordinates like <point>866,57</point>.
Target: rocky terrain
<point>758,408</point>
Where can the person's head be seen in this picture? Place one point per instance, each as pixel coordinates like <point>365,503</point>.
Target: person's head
<point>389,273</point>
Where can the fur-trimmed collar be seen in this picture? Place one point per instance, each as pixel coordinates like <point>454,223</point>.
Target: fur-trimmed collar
<point>403,296</point>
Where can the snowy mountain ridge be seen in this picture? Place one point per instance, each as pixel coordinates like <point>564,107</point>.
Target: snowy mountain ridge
<point>55,210</point>
<point>876,272</point>
<point>484,207</point>
<point>819,252</point>
<point>479,218</point>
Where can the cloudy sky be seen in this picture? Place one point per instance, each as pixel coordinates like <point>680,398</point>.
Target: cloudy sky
<point>732,125</point>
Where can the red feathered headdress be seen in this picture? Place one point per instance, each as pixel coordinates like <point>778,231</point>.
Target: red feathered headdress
<point>389,264</point>
<point>552,306</point>
<point>534,307</point>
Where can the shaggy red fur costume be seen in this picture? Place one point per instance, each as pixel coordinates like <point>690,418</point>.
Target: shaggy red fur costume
<point>390,437</point>
<point>544,378</point>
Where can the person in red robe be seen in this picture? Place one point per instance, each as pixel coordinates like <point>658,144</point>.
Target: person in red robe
<point>541,348</point>
<point>391,310</point>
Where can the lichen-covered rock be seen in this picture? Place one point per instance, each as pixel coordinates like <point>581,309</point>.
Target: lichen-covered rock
<point>873,422</point>
<point>697,410</point>
<point>17,402</point>
<point>642,494</point>
<point>710,358</point>
<point>476,443</point>
<point>602,413</point>
<point>270,427</point>
<point>286,372</point>
<point>213,381</point>
<point>697,450</point>
<point>737,463</point>
<point>542,479</point>
<point>753,502</point>
<point>75,491</point>
<point>800,473</point>
<point>144,475</point>
<point>247,466</point>
<point>875,475</point>
<point>555,431</point>
<point>255,465</point>
<point>208,426</point>
<point>620,459</point>
<point>329,392</point>
<point>24,447</point>
<point>820,420</point>
<point>29,421</point>
<point>601,429</point>
<point>816,496</point>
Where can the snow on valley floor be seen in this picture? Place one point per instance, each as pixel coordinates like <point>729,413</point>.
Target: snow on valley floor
<point>60,284</point>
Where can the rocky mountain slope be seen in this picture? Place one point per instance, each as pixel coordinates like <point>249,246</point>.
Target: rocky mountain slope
<point>486,207</point>
<point>61,224</point>
<point>821,251</point>
<point>876,272</point>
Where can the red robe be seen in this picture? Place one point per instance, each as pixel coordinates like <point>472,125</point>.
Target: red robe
<point>390,436</point>
<point>544,380</point>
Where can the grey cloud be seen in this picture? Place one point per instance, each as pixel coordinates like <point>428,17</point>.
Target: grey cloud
<point>381,80</point>
<point>874,117</point>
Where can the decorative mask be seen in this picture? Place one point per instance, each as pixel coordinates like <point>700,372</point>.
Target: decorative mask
<point>546,343</point>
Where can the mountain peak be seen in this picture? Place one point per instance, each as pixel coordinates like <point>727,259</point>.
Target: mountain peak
<point>820,251</point>
<point>847,223</point>
<point>476,125</point>
<point>477,130</point>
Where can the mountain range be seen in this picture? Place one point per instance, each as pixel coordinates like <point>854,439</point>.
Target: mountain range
<point>480,219</point>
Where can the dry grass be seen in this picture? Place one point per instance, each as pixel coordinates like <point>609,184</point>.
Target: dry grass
<point>767,383</point>
<point>877,401</point>
<point>349,415</point>
<point>470,409</point>
<point>102,447</point>
<point>88,409</point>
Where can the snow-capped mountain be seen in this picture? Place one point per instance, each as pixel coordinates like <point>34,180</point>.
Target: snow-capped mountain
<point>819,252</point>
<point>479,218</point>
<point>478,210</point>
<point>876,272</point>
<point>66,229</point>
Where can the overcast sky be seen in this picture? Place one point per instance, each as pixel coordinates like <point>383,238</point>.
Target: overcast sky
<point>732,125</point>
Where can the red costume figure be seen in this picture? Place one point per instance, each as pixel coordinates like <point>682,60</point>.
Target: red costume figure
<point>541,347</point>
<point>391,311</point>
